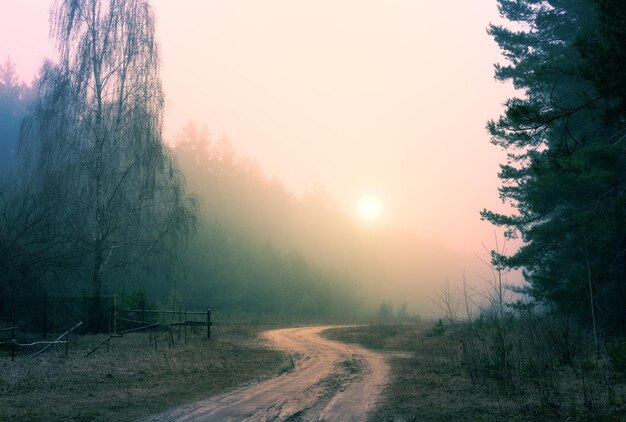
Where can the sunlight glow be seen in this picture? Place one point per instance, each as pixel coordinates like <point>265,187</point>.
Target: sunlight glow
<point>369,207</point>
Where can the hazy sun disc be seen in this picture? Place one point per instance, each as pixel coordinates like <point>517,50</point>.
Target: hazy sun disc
<point>369,207</point>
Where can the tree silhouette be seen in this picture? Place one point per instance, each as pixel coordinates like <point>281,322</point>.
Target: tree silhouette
<point>566,172</point>
<point>94,138</point>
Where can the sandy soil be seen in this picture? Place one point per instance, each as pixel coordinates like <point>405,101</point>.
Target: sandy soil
<point>329,381</point>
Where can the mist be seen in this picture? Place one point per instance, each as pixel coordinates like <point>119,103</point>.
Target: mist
<point>281,119</point>
<point>322,210</point>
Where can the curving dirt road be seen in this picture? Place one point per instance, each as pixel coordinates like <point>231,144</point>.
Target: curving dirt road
<point>330,381</point>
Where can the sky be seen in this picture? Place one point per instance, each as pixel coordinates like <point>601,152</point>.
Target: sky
<point>384,98</point>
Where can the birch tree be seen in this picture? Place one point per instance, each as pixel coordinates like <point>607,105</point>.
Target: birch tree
<point>95,137</point>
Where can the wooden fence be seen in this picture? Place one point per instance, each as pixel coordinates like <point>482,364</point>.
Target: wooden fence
<point>126,321</point>
<point>142,319</point>
<point>21,329</point>
<point>14,343</point>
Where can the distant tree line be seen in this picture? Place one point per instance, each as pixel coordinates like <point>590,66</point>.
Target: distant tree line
<point>566,141</point>
<point>248,254</point>
<point>93,203</point>
<point>16,97</point>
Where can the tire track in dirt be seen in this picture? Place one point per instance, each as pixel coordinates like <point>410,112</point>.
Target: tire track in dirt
<point>330,381</point>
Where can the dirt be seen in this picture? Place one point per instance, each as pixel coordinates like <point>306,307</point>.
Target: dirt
<point>429,383</point>
<point>329,381</point>
<point>131,379</point>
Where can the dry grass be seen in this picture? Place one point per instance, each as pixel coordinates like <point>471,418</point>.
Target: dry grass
<point>132,379</point>
<point>433,385</point>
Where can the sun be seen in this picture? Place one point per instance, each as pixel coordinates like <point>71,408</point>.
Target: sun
<point>369,207</point>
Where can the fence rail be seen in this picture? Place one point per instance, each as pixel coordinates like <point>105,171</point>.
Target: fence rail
<point>53,313</point>
<point>157,311</point>
<point>14,343</point>
<point>131,315</point>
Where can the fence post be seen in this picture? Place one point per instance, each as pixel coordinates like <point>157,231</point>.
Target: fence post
<point>208,323</point>
<point>180,319</point>
<point>13,337</point>
<point>114,315</point>
<point>44,322</point>
<point>67,337</point>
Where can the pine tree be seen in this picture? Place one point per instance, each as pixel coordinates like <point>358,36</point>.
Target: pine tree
<point>566,142</point>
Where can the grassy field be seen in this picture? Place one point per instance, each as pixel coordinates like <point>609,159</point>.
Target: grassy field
<point>431,384</point>
<point>131,379</point>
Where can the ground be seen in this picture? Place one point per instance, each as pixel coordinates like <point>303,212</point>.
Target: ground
<point>132,379</point>
<point>330,381</point>
<point>428,383</point>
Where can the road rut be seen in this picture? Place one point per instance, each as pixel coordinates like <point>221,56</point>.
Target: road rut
<point>330,381</point>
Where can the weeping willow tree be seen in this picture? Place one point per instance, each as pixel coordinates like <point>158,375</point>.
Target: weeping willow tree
<point>94,140</point>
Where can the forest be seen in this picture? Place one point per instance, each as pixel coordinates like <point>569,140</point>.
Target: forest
<point>96,203</point>
<point>194,267</point>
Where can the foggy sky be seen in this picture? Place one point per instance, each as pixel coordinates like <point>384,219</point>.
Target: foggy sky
<point>355,97</point>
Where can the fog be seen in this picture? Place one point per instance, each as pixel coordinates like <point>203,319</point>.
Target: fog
<point>316,105</point>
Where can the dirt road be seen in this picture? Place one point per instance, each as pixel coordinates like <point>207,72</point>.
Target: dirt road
<point>330,381</point>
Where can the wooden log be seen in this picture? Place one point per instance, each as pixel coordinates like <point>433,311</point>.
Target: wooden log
<point>131,321</point>
<point>57,341</point>
<point>145,327</point>
<point>35,343</point>
<point>154,311</point>
<point>106,341</point>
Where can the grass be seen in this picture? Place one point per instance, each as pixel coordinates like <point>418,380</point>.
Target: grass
<point>429,383</point>
<point>132,379</point>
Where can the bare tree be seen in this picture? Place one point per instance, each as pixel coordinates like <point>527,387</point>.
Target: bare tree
<point>95,136</point>
<point>30,246</point>
<point>448,302</point>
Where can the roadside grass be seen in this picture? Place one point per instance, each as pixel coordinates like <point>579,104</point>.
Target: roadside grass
<point>132,380</point>
<point>430,383</point>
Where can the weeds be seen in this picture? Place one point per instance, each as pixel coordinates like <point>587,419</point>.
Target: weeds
<point>132,379</point>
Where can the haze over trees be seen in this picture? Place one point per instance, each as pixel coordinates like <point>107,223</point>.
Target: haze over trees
<point>97,206</point>
<point>254,251</point>
<point>92,150</point>
<point>566,139</point>
<point>265,242</point>
<point>93,203</point>
<point>16,98</point>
